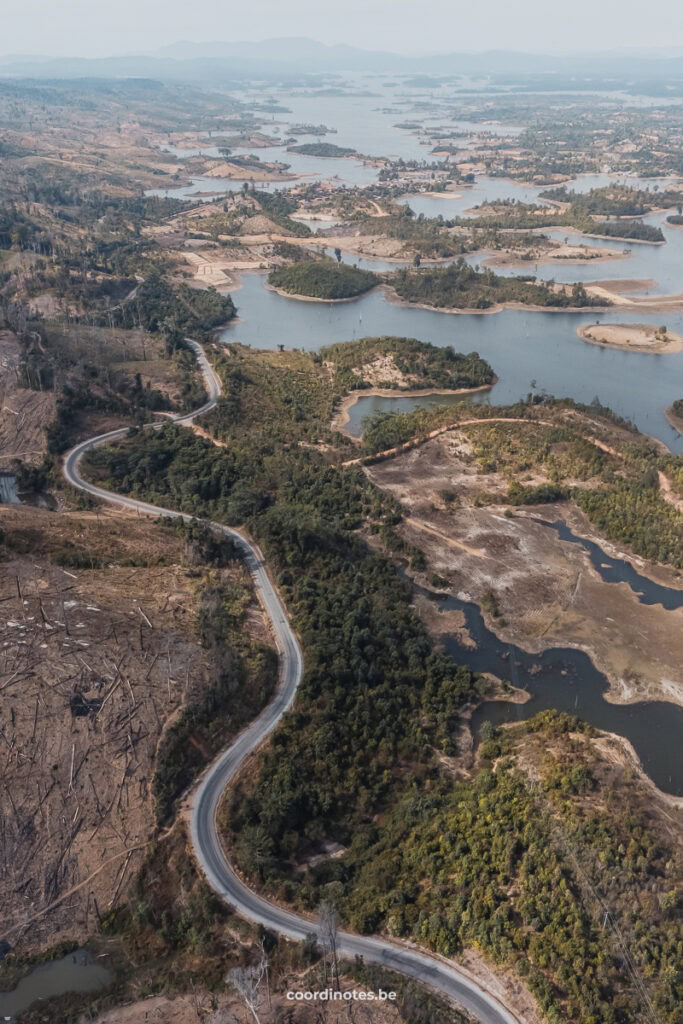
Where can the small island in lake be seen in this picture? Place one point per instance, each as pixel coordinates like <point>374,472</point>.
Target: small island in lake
<point>634,337</point>
<point>323,280</point>
<point>326,149</point>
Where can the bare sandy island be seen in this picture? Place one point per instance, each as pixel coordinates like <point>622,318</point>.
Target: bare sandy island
<point>675,420</point>
<point>341,417</point>
<point>562,254</point>
<point>633,337</point>
<point>434,195</point>
<point>239,173</point>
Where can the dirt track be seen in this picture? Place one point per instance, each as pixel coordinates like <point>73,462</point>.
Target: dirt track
<point>547,591</point>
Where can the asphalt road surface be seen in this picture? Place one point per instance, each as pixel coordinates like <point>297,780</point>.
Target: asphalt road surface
<point>438,975</point>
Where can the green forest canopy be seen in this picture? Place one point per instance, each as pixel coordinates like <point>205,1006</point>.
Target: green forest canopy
<point>460,286</point>
<point>423,365</point>
<point>323,279</point>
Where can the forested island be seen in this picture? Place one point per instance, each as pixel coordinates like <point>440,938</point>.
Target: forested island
<point>460,286</point>
<point>629,229</point>
<point>326,149</point>
<point>322,279</point>
<point>404,364</point>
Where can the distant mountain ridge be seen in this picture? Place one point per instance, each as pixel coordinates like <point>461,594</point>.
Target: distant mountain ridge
<point>215,61</point>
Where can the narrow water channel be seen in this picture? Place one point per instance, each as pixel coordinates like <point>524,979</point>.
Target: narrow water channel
<point>75,972</point>
<point>618,570</point>
<point>8,489</point>
<point>565,679</point>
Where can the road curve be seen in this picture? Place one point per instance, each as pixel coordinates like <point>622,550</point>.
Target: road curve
<point>438,975</point>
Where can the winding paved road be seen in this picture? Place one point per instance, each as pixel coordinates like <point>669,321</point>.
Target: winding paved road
<point>438,975</point>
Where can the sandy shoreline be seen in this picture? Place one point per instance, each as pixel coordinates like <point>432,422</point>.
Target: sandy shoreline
<point>663,304</point>
<point>497,307</point>
<point>432,195</point>
<point>618,238</point>
<point>314,298</point>
<point>629,337</point>
<point>341,416</point>
<point>675,421</point>
<point>601,256</point>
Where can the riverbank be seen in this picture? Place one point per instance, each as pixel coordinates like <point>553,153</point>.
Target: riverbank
<point>631,337</point>
<point>675,421</point>
<point>614,607</point>
<point>341,416</point>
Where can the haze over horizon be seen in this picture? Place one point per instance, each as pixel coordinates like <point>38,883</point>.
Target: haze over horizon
<point>90,28</point>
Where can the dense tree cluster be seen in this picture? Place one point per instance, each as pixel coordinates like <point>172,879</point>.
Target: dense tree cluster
<point>278,206</point>
<point>175,310</point>
<point>323,279</point>
<point>327,149</point>
<point>634,513</point>
<point>635,229</point>
<point>611,201</point>
<point>460,286</point>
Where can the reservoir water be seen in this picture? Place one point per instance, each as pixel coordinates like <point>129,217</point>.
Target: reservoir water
<point>521,345</point>
<point>367,406</point>
<point>566,679</point>
<point>528,351</point>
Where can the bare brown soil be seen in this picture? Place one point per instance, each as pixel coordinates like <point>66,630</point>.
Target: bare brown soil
<point>624,285</point>
<point>24,415</point>
<point>566,255</point>
<point>546,590</point>
<point>268,172</point>
<point>314,298</point>
<point>645,303</point>
<point>207,1008</point>
<point>93,665</point>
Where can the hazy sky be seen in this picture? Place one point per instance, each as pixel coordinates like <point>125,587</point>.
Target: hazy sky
<point>103,27</point>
